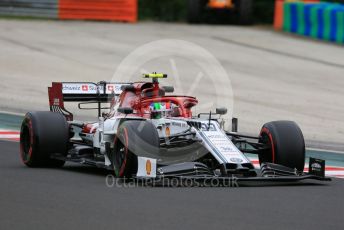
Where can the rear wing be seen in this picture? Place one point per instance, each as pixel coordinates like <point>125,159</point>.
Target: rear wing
<point>61,92</point>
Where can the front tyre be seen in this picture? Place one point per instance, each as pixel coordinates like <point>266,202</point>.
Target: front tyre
<point>134,137</point>
<point>42,134</point>
<point>286,144</point>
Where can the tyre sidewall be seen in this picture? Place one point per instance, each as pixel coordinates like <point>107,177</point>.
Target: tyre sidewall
<point>138,137</point>
<point>49,133</point>
<point>288,146</point>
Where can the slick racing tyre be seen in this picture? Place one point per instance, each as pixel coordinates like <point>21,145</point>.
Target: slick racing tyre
<point>133,137</point>
<point>286,144</point>
<point>43,134</point>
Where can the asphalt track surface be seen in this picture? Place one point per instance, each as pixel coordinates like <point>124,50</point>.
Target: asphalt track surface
<point>76,197</point>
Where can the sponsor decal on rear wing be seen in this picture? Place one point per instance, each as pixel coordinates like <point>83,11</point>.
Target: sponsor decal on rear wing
<point>61,92</point>
<point>92,88</point>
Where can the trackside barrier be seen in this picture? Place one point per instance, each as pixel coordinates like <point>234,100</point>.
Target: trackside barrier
<point>278,16</point>
<point>30,8</point>
<point>321,20</point>
<point>110,10</point>
<point>113,10</point>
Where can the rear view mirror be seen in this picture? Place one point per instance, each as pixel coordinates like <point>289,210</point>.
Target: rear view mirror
<point>221,111</point>
<point>125,110</point>
<point>168,89</point>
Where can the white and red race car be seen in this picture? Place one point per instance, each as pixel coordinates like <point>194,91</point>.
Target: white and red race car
<point>147,133</point>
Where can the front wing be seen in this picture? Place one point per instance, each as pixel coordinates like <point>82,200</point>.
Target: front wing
<point>191,174</point>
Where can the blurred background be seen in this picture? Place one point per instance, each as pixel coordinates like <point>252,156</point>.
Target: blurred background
<point>302,17</point>
<point>216,11</point>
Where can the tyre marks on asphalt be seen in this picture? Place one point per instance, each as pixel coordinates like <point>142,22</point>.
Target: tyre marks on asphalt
<point>273,51</point>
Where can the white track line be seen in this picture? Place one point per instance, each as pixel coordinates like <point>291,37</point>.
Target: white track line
<point>9,135</point>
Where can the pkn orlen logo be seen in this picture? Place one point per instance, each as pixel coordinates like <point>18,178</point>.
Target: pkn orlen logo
<point>148,167</point>
<point>84,87</point>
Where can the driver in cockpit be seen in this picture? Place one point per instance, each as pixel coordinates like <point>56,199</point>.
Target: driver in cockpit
<point>163,110</point>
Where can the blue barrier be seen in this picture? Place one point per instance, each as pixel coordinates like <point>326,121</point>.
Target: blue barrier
<point>318,20</point>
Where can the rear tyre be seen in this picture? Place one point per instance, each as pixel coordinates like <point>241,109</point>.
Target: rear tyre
<point>42,134</point>
<point>133,137</point>
<point>286,142</point>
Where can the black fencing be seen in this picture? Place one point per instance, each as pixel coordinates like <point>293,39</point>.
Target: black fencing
<point>176,10</point>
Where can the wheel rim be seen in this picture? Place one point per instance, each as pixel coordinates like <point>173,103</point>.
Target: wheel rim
<point>267,155</point>
<point>121,153</point>
<point>25,144</point>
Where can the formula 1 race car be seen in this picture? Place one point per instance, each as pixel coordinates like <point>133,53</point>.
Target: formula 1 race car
<point>146,133</point>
